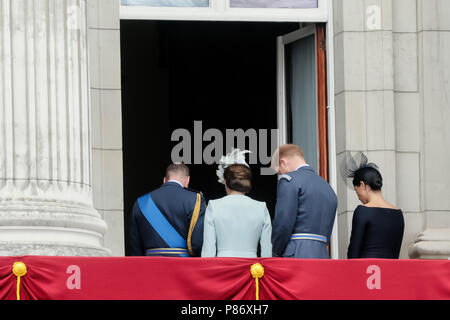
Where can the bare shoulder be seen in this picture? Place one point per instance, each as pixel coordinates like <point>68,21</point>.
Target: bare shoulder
<point>384,205</point>
<point>389,206</point>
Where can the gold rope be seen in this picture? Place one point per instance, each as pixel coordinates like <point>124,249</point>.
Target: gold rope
<point>257,271</point>
<point>19,269</point>
<point>193,222</point>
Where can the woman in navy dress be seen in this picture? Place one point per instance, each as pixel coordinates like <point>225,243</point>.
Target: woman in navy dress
<point>377,226</point>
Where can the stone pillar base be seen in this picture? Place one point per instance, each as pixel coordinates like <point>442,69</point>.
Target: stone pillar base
<point>39,226</point>
<point>431,244</point>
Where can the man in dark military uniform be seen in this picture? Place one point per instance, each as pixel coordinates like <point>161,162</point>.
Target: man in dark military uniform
<point>169,220</point>
<point>305,210</point>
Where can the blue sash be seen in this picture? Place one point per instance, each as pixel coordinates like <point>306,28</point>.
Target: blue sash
<point>159,222</point>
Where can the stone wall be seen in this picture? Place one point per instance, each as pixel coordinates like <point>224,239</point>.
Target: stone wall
<point>433,44</point>
<point>45,145</point>
<point>105,89</point>
<point>392,70</point>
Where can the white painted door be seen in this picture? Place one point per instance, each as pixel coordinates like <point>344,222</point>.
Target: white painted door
<point>297,92</point>
<point>302,102</point>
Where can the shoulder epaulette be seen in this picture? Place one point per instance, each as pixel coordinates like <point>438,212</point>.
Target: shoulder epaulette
<point>195,191</point>
<point>285,176</point>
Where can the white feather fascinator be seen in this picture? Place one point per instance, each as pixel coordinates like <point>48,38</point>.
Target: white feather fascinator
<point>236,156</point>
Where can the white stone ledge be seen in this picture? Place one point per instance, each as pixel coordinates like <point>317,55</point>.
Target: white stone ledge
<point>80,237</point>
<point>434,30</point>
<point>367,31</point>
<point>51,212</point>
<point>53,192</point>
<point>52,219</point>
<point>8,248</point>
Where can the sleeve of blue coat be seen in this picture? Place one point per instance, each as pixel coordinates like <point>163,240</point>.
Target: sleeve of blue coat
<point>209,234</point>
<point>197,233</point>
<point>136,247</point>
<point>266,234</point>
<point>285,216</point>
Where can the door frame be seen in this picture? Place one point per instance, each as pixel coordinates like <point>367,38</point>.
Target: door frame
<point>318,30</point>
<point>282,41</point>
<point>323,110</point>
<point>324,14</point>
<point>220,10</point>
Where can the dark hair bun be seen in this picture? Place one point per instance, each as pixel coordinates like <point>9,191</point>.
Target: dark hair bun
<point>377,184</point>
<point>370,176</point>
<point>238,177</point>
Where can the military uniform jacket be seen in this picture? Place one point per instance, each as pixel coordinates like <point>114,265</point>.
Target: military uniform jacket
<point>305,204</point>
<point>177,205</point>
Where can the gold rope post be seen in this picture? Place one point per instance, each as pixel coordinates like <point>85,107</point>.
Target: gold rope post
<point>19,269</point>
<point>257,271</point>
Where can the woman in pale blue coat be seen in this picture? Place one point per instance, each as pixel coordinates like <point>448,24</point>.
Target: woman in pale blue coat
<point>236,223</point>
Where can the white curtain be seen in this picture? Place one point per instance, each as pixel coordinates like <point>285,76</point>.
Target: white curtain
<point>303,97</point>
<point>166,3</point>
<point>274,3</point>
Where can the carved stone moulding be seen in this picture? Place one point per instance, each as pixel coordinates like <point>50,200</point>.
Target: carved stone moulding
<point>431,244</point>
<point>55,221</point>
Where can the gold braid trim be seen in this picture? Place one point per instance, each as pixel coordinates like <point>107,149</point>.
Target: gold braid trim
<point>193,222</point>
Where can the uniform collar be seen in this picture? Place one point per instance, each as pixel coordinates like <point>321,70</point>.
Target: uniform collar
<point>301,166</point>
<point>173,181</point>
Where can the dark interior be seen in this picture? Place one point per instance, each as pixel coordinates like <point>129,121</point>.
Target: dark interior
<point>178,72</point>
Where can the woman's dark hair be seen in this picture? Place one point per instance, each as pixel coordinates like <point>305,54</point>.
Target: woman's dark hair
<point>370,176</point>
<point>238,177</point>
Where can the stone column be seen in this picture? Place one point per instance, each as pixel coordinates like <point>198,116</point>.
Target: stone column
<point>391,81</point>
<point>433,47</point>
<point>364,98</point>
<point>106,111</point>
<point>45,151</point>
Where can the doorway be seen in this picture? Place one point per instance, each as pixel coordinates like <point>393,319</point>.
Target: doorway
<point>223,74</point>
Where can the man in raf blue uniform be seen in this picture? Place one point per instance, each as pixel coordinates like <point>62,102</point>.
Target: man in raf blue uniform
<point>305,210</point>
<point>169,220</point>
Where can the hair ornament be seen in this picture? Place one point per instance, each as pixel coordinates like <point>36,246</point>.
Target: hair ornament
<point>236,156</point>
<point>351,164</point>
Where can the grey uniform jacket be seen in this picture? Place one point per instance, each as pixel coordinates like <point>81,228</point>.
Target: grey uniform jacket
<point>305,204</point>
<point>233,227</point>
